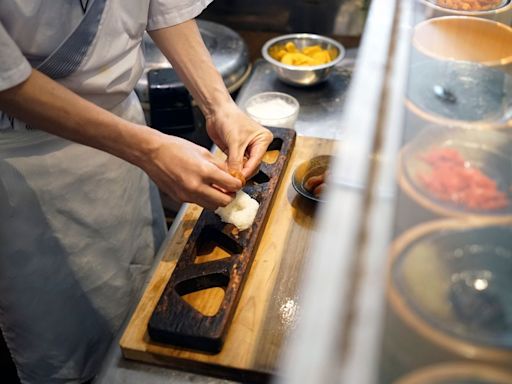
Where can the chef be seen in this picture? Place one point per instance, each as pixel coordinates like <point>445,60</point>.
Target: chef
<point>80,221</point>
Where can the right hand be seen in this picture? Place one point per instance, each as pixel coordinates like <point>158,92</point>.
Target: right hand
<point>190,173</point>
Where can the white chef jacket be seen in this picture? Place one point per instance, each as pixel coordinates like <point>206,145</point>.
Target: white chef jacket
<point>78,227</point>
<point>114,63</point>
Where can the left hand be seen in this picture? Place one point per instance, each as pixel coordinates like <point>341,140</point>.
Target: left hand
<point>236,134</point>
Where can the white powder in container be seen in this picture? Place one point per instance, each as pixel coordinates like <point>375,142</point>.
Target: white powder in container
<point>273,109</point>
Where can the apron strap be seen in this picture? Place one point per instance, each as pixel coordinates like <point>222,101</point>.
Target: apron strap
<point>68,56</point>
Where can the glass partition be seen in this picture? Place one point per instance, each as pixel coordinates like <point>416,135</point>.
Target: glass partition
<point>414,269</point>
<point>449,269</point>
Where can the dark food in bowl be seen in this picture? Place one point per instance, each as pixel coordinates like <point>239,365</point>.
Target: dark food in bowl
<point>479,309</point>
<point>454,278</point>
<point>454,179</point>
<point>470,5</point>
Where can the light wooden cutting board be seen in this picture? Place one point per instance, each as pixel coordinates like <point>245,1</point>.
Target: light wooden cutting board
<point>270,303</point>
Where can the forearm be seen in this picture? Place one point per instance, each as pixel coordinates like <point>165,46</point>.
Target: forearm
<point>227,125</point>
<point>183,46</point>
<point>45,104</point>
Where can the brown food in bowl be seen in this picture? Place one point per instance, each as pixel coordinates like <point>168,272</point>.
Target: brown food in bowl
<point>315,184</point>
<point>318,190</point>
<point>311,182</point>
<point>470,5</point>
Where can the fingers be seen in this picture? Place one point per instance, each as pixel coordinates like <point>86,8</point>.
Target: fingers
<point>239,175</point>
<point>211,198</point>
<point>256,150</point>
<point>236,158</point>
<point>254,160</point>
<point>225,179</point>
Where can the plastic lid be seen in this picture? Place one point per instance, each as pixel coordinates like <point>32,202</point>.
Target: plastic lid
<point>458,281</point>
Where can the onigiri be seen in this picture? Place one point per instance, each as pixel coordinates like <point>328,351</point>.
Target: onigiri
<point>240,212</point>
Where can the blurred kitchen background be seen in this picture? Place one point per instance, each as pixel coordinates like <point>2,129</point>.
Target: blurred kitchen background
<point>257,21</point>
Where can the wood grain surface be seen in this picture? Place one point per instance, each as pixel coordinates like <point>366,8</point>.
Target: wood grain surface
<point>270,301</point>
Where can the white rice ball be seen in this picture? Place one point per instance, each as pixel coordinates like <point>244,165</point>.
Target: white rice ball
<point>240,212</point>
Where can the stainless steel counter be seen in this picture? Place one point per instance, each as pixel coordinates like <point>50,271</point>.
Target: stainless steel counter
<point>320,113</point>
<point>321,106</point>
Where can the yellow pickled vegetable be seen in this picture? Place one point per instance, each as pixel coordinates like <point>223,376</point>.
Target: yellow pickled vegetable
<point>287,59</point>
<point>280,54</point>
<point>312,55</point>
<point>322,57</point>
<point>311,50</point>
<point>290,47</point>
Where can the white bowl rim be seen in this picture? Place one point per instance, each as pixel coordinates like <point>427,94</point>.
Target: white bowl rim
<point>332,63</point>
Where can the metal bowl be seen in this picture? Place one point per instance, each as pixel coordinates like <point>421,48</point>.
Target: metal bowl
<point>303,75</point>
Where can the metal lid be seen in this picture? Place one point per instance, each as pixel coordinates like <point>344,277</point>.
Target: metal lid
<point>227,48</point>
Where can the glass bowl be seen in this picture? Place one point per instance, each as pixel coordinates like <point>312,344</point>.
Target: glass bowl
<point>451,282</point>
<point>458,373</point>
<point>459,172</point>
<point>468,5</point>
<point>461,93</point>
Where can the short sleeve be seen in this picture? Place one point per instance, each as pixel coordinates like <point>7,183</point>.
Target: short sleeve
<point>14,67</point>
<point>167,13</point>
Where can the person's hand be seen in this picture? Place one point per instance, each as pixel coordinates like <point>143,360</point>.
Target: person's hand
<point>190,173</point>
<point>237,135</point>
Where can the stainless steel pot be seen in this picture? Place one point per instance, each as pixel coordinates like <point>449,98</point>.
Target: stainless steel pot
<point>227,48</point>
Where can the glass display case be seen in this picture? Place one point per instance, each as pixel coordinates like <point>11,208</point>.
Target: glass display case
<point>411,279</point>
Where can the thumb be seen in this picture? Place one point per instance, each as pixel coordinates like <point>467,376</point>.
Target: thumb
<point>236,159</point>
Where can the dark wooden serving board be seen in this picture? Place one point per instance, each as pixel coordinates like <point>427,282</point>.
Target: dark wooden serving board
<point>174,321</point>
<point>269,303</point>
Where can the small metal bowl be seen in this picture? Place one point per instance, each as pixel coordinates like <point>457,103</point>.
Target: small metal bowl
<point>313,167</point>
<point>303,75</point>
